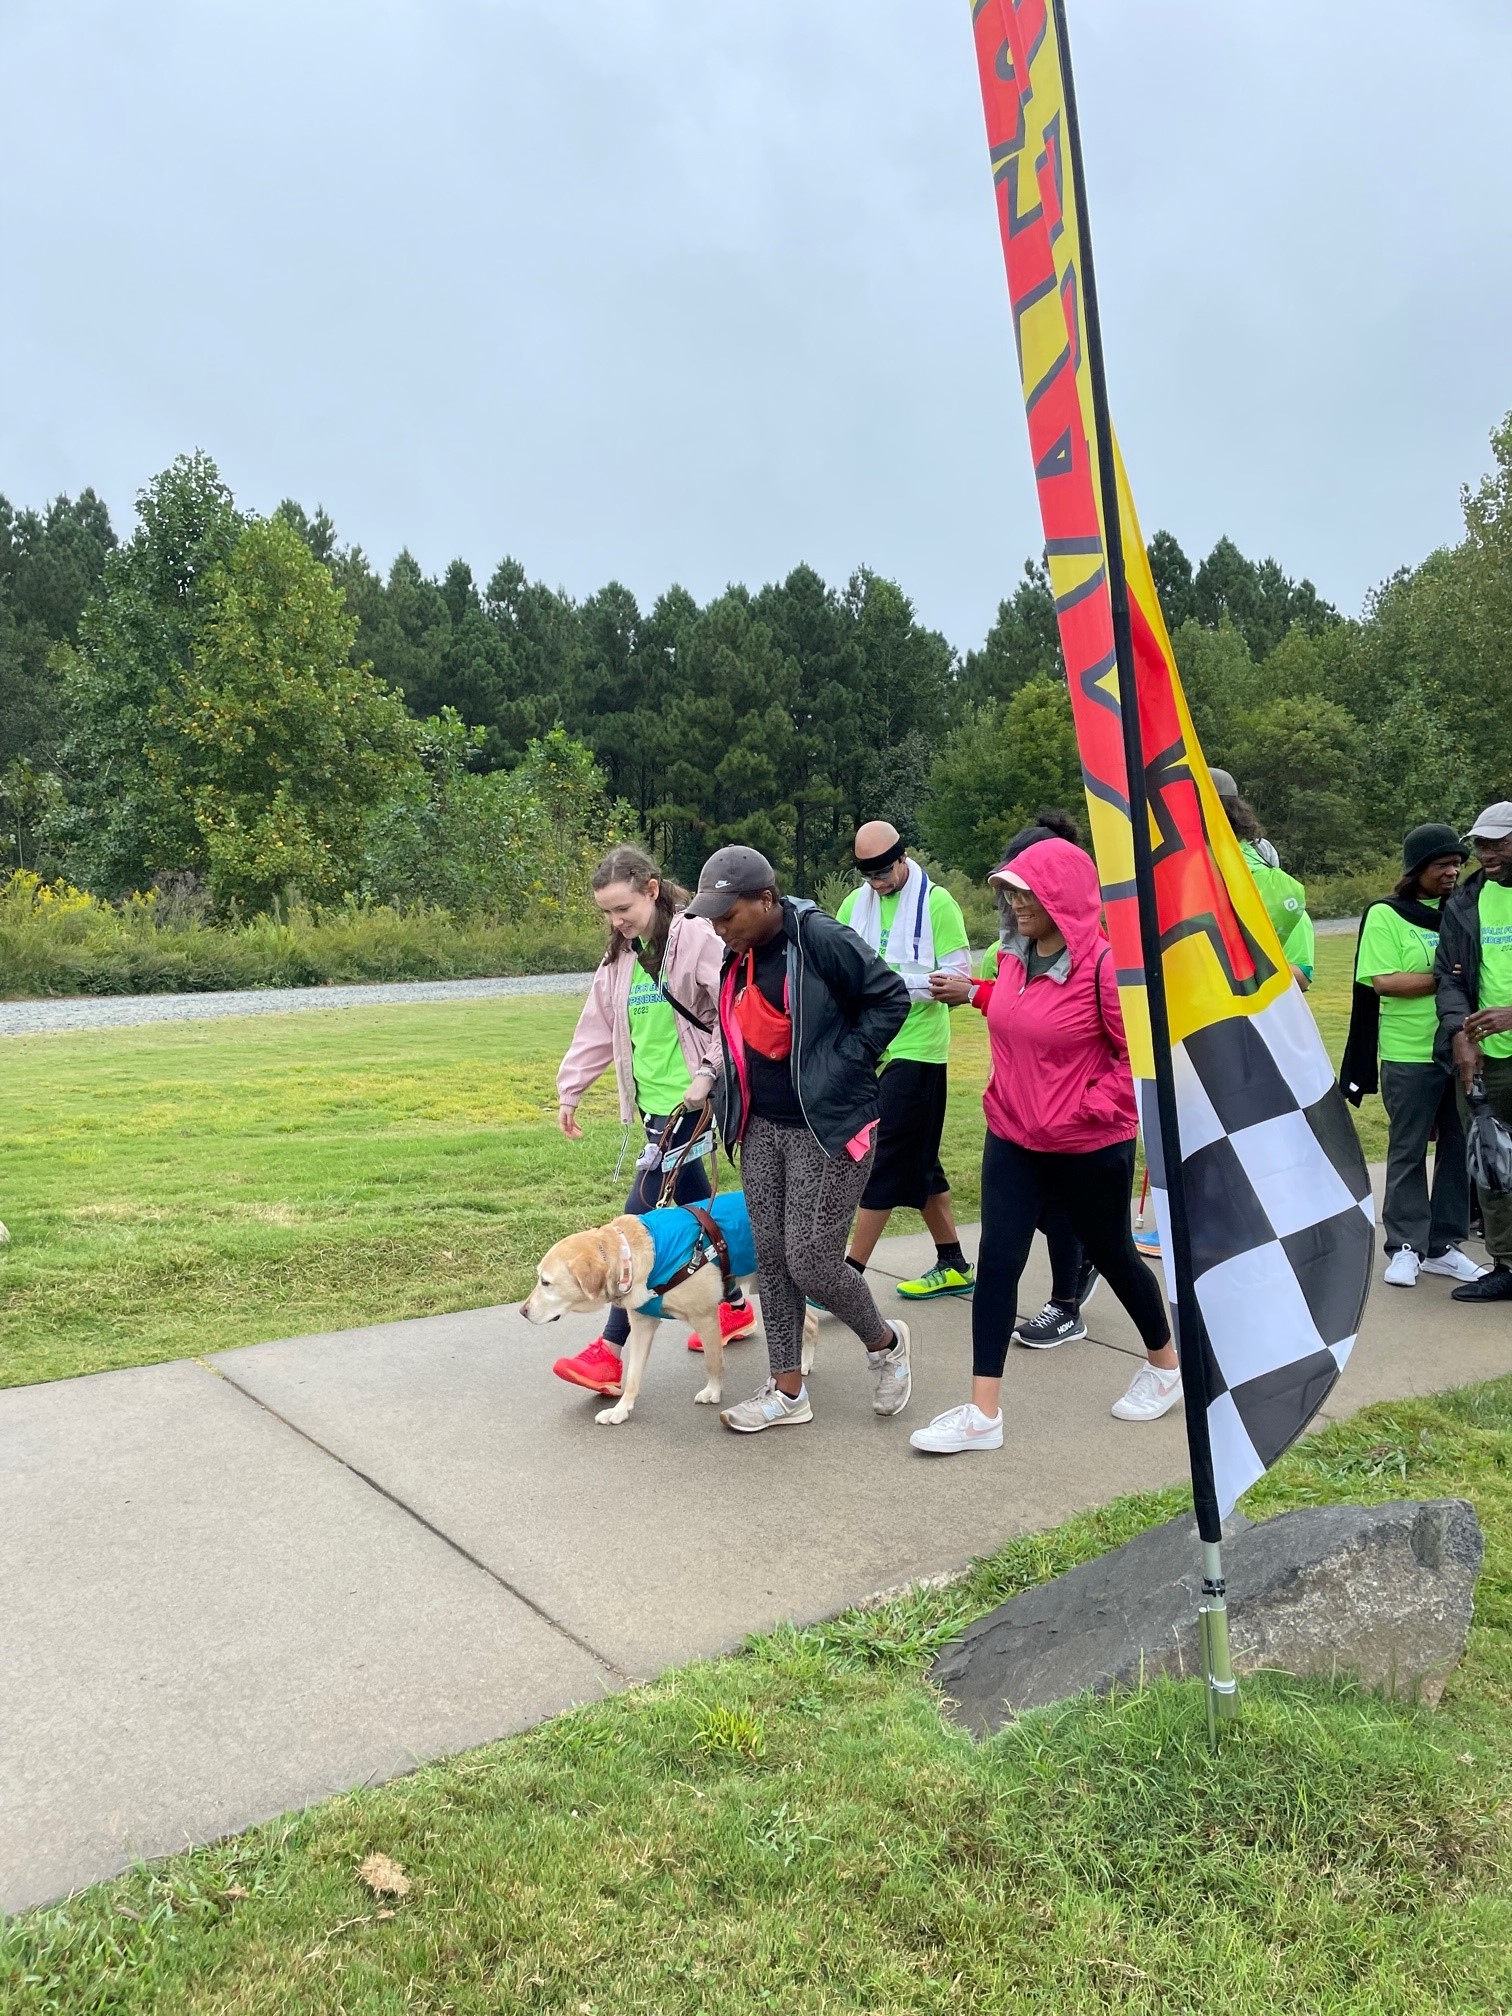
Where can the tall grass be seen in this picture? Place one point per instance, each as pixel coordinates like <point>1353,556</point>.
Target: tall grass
<point>56,940</point>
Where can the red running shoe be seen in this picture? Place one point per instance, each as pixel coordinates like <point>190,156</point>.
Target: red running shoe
<point>733,1323</point>
<point>597,1368</point>
<point>736,1320</point>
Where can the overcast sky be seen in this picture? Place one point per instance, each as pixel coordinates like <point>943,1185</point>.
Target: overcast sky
<point>663,290</point>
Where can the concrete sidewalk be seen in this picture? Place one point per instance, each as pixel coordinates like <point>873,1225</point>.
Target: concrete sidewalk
<point>233,1587</point>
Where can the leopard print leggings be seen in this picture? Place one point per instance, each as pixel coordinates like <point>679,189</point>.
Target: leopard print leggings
<point>801,1203</point>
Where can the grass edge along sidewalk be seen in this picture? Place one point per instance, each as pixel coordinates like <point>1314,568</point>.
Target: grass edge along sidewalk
<point>795,1827</point>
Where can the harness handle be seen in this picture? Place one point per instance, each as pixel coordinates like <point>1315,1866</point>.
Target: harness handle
<point>709,1226</point>
<point>700,1142</point>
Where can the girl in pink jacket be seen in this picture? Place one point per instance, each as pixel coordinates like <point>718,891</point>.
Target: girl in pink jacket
<point>652,1014</point>
<point>1061,1127</point>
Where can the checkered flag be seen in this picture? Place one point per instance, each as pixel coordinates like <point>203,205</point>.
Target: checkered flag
<point>1281,1219</point>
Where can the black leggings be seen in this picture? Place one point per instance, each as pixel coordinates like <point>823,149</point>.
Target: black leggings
<point>1093,1191</point>
<point>645,1192</point>
<point>1064,1248</point>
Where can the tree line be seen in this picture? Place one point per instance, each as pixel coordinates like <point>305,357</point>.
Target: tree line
<point>248,702</point>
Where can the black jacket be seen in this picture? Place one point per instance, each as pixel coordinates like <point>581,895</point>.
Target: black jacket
<point>1459,961</point>
<point>847,1005</point>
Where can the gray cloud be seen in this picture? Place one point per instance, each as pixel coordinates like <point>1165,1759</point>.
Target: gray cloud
<point>668,292</point>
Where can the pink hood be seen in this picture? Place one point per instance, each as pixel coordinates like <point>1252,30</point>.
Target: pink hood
<point>1065,880</point>
<point>1060,1079</point>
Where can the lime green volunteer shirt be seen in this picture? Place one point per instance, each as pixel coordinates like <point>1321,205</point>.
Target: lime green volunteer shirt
<point>1496,959</point>
<point>1389,944</point>
<point>925,1036</point>
<point>661,1071</point>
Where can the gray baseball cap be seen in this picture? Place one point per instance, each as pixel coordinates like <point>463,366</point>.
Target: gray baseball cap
<point>727,876</point>
<point>1495,823</point>
<point>1223,783</point>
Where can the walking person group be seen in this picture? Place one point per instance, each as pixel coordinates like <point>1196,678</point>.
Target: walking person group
<point>651,1016</point>
<point>1431,1028</point>
<point>823,1044</point>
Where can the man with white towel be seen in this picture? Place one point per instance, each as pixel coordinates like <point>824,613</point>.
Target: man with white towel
<point>918,929</point>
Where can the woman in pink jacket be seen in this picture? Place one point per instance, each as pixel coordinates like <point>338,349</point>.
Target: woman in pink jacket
<point>652,1014</point>
<point>1061,1126</point>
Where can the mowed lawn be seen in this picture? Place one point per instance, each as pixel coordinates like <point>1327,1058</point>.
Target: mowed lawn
<point>188,1187</point>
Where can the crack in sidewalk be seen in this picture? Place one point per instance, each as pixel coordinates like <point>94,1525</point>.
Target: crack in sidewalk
<point>436,1532</point>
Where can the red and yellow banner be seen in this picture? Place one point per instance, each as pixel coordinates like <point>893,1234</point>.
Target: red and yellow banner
<point>1221,953</point>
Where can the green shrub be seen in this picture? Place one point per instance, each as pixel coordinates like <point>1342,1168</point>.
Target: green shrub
<point>57,940</point>
<point>1346,894</point>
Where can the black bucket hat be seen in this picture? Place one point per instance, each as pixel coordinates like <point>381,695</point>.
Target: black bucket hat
<point>1431,843</point>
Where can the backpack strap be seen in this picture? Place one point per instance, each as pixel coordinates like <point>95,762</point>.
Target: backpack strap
<point>686,1013</point>
<point>1097,991</point>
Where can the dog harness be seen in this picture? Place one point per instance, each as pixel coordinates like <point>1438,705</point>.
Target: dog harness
<point>685,1238</point>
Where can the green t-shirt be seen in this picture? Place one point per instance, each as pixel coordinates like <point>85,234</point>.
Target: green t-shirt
<point>1285,902</point>
<point>661,1071</point>
<point>925,1036</point>
<point>1389,944</point>
<point>1496,959</point>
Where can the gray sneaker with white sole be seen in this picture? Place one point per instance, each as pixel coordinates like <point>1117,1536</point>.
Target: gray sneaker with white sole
<point>892,1377</point>
<point>768,1407</point>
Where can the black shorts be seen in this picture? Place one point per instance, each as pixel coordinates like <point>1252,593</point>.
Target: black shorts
<point>907,1169</point>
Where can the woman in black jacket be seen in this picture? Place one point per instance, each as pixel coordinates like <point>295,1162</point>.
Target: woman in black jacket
<point>805,1010</point>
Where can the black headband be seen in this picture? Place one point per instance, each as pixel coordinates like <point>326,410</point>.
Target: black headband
<point>881,861</point>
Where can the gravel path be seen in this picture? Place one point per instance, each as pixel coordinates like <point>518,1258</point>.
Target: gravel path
<point>32,1018</point>
<point>124,1011</point>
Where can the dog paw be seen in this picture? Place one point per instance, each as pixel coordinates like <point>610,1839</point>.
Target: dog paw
<point>708,1396</point>
<point>611,1417</point>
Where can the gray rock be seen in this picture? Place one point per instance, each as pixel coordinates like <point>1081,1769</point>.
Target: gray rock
<point>1383,1593</point>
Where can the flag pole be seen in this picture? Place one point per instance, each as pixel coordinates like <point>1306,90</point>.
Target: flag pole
<point>1212,1616</point>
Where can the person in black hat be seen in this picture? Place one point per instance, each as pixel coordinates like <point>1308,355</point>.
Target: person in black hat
<point>805,1012</point>
<point>1395,1017</point>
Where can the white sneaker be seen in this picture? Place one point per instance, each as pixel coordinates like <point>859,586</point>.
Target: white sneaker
<point>1151,1393</point>
<point>1458,1266</point>
<point>961,1429</point>
<point>1403,1268</point>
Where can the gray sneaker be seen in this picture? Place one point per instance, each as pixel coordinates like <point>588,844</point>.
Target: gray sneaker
<point>892,1380</point>
<point>767,1408</point>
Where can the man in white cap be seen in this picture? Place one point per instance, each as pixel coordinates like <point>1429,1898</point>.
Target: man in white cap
<point>1474,974</point>
<point>917,928</point>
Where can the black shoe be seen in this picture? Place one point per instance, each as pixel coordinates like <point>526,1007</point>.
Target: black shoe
<point>1493,1287</point>
<point>1086,1283</point>
<point>1052,1326</point>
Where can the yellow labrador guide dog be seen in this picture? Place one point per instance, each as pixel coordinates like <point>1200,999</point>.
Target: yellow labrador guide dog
<point>673,1262</point>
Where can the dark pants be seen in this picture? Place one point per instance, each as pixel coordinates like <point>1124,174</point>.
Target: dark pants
<point>906,1167</point>
<point>645,1194</point>
<point>1064,1248</point>
<point>1418,1098</point>
<point>1496,1211</point>
<point>1093,1191</point>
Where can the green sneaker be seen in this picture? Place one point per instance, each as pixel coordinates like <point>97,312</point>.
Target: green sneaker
<point>938,1281</point>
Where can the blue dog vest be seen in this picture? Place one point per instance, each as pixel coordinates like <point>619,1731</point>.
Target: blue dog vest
<point>675,1232</point>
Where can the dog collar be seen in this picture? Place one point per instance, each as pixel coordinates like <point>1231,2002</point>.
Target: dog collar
<point>626,1269</point>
